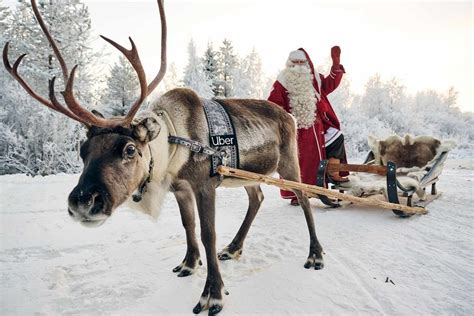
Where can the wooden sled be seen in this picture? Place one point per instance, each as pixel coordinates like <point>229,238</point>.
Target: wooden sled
<point>396,192</point>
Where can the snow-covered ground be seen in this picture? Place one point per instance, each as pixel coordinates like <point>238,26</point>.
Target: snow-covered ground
<point>52,265</point>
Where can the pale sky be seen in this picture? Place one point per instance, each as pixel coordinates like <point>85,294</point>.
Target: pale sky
<point>425,44</point>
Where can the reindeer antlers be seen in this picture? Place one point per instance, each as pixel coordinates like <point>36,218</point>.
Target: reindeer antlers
<point>74,110</point>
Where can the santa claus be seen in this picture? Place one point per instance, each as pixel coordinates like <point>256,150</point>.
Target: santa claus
<point>303,93</point>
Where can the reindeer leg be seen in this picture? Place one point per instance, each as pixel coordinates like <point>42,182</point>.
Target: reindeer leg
<point>212,294</point>
<point>234,249</point>
<point>185,198</point>
<point>315,258</point>
<point>288,168</point>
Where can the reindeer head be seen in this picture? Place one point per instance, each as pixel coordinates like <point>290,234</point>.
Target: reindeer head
<point>116,155</point>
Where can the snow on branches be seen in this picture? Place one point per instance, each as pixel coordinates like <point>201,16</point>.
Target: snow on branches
<point>36,140</point>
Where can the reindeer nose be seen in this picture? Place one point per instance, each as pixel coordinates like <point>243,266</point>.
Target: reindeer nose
<point>84,202</point>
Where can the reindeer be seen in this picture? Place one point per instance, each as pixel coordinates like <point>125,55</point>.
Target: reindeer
<point>122,155</point>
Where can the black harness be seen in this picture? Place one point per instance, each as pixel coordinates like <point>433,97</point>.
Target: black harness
<point>222,135</point>
<point>137,197</point>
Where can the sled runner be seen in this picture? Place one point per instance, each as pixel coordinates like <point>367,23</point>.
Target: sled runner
<point>401,169</point>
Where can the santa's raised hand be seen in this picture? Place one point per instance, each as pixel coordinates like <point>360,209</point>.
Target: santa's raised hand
<point>336,59</point>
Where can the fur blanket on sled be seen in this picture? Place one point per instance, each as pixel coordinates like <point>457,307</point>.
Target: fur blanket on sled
<point>414,157</point>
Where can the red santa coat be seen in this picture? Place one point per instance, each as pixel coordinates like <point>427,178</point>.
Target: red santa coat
<point>311,147</point>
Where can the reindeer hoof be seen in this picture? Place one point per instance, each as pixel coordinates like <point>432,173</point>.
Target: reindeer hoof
<point>318,265</point>
<point>198,308</point>
<point>184,273</point>
<point>212,311</point>
<point>215,309</point>
<point>185,270</point>
<point>226,254</point>
<point>213,303</point>
<point>314,261</point>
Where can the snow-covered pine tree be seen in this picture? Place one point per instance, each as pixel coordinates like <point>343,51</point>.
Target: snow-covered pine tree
<point>194,76</point>
<point>227,64</point>
<point>122,89</point>
<point>388,101</point>
<point>171,79</point>
<point>241,82</point>
<point>248,79</point>
<point>42,141</point>
<point>4,14</point>
<point>210,62</point>
<point>255,74</point>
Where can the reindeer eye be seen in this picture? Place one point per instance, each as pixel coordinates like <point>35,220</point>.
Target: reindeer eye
<point>130,151</point>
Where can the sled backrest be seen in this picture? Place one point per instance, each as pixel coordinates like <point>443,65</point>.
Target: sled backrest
<point>406,152</point>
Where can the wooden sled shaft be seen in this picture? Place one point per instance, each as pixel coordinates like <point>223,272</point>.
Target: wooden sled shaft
<point>380,170</point>
<point>312,190</point>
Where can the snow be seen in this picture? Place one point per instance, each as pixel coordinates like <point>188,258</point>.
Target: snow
<point>52,265</point>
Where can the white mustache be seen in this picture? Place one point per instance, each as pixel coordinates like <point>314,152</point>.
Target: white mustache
<point>301,69</point>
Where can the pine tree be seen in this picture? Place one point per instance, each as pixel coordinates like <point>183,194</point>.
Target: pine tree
<point>122,89</point>
<point>248,79</point>
<point>194,76</point>
<point>42,141</point>
<point>210,63</point>
<point>171,79</point>
<point>452,97</point>
<point>4,14</point>
<point>387,101</point>
<point>241,82</point>
<point>227,65</point>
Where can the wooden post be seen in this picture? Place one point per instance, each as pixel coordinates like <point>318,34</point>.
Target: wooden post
<point>312,190</point>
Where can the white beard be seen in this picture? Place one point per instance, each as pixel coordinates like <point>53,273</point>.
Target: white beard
<point>302,95</point>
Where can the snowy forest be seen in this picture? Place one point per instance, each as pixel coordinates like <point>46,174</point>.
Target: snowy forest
<point>37,141</point>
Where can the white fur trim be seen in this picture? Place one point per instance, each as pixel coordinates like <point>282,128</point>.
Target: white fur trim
<point>331,135</point>
<point>318,81</point>
<point>317,144</point>
<point>297,55</point>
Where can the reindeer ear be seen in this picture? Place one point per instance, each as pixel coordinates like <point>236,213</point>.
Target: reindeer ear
<point>373,143</point>
<point>147,128</point>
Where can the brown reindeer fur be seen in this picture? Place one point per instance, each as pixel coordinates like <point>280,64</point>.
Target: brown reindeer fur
<point>409,151</point>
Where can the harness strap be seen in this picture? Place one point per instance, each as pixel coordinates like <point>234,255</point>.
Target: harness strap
<point>196,146</point>
<point>142,188</point>
<point>171,129</point>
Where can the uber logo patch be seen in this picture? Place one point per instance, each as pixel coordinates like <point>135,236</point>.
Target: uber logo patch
<point>223,140</point>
